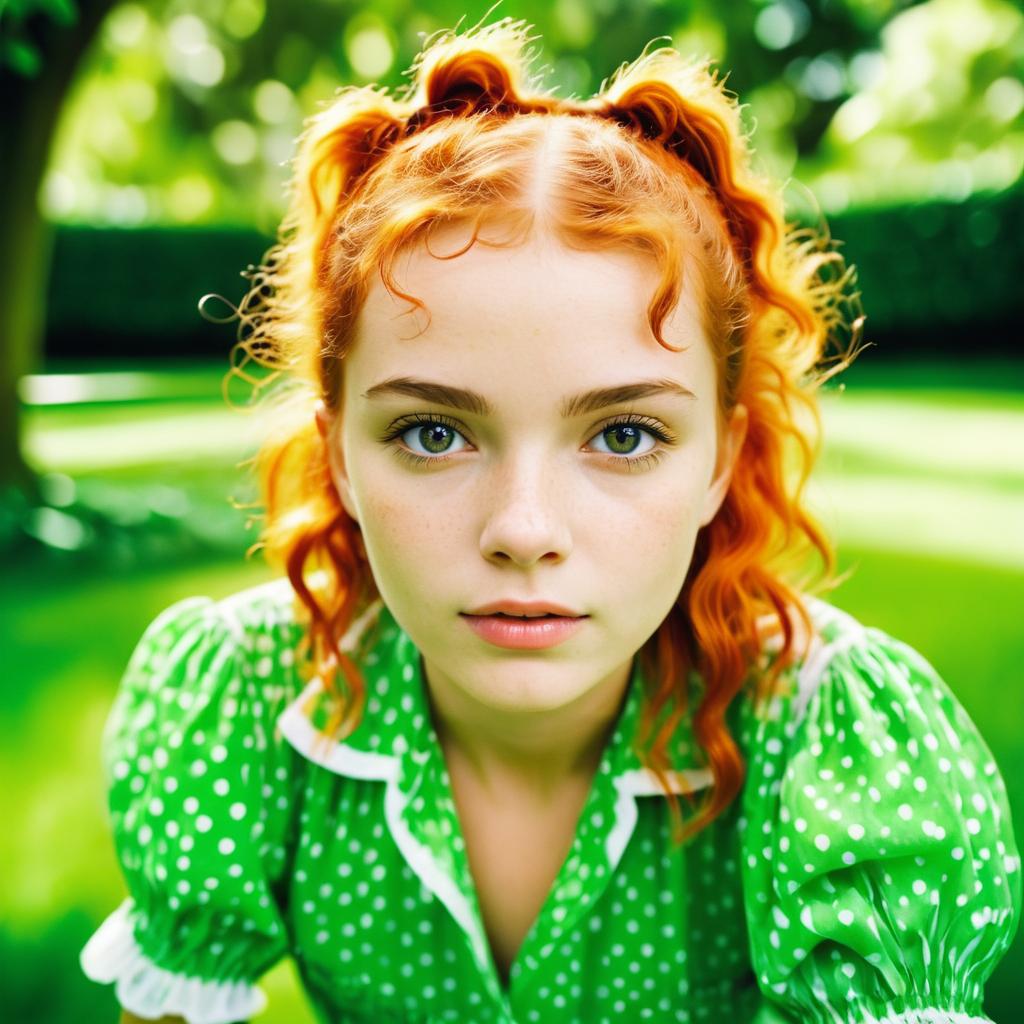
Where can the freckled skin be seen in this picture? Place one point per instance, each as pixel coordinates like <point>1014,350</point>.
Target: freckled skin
<point>529,505</point>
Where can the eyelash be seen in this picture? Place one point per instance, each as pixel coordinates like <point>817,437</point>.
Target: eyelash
<point>632,463</point>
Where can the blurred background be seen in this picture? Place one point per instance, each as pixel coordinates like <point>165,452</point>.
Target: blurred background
<point>144,156</point>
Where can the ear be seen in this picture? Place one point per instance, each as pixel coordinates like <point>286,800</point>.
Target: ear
<point>327,424</point>
<point>728,452</point>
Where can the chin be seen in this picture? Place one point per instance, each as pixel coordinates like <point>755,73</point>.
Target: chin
<point>521,698</point>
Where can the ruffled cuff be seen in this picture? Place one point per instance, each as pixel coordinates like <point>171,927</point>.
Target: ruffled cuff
<point>931,1015</point>
<point>149,991</point>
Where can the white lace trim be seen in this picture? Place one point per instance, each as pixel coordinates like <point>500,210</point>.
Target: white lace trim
<point>150,992</point>
<point>928,1015</point>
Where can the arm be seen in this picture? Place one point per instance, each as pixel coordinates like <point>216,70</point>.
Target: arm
<point>164,951</point>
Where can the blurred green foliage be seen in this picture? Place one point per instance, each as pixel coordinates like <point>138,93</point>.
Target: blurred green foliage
<point>19,51</point>
<point>187,110</point>
<point>930,275</point>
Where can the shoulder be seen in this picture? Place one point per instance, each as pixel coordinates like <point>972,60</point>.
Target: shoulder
<point>203,796</point>
<point>874,705</point>
<point>269,605</point>
<point>207,675</point>
<point>246,628</point>
<point>859,690</point>
<point>876,832</point>
<point>835,644</point>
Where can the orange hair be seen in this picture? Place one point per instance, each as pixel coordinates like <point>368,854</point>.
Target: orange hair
<point>656,162</point>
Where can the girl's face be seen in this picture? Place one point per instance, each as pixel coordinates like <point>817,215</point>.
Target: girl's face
<point>514,498</point>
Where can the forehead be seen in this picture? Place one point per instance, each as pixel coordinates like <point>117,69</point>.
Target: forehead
<point>537,315</point>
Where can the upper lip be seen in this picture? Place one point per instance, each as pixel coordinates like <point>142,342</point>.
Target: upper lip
<point>525,608</point>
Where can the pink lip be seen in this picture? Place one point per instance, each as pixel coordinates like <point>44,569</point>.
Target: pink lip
<point>525,634</point>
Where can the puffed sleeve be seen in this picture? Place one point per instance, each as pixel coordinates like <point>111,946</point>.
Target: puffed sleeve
<point>881,876</point>
<point>198,792</point>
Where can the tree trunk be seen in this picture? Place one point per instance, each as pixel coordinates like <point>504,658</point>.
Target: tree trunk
<point>31,110</point>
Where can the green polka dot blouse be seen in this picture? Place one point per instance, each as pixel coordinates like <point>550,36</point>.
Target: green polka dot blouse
<point>867,873</point>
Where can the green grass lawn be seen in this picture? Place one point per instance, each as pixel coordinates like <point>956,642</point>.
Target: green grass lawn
<point>923,486</point>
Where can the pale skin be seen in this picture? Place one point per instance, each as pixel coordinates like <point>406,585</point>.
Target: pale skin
<point>529,505</point>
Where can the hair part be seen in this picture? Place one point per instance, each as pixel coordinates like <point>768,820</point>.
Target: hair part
<point>655,163</point>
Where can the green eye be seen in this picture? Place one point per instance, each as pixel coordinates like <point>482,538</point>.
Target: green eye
<point>430,438</point>
<point>623,438</point>
<point>436,438</point>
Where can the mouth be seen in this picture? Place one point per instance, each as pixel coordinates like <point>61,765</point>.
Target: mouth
<point>533,632</point>
<point>524,618</point>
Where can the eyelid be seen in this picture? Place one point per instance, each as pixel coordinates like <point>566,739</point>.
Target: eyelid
<point>403,423</point>
<point>663,437</point>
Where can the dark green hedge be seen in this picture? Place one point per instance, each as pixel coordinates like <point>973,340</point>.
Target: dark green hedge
<point>936,276</point>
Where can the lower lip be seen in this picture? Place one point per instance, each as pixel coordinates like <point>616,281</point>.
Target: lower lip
<point>524,634</point>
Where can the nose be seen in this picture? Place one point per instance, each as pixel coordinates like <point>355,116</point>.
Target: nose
<point>525,521</point>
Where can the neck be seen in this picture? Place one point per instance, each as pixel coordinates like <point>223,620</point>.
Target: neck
<point>535,755</point>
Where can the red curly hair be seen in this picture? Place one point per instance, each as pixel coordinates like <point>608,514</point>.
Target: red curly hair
<point>656,162</point>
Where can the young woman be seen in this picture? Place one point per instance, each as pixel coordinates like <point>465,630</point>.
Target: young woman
<point>535,489</point>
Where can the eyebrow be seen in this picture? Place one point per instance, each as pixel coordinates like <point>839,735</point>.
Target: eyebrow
<point>574,405</point>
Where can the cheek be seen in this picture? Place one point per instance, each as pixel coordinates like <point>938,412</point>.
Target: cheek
<point>649,540</point>
<point>657,513</point>
<point>399,529</point>
<point>666,542</point>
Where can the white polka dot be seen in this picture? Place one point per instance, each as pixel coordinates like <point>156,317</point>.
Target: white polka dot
<point>822,842</point>
<point>226,846</point>
<point>204,823</point>
<point>237,811</point>
<point>846,917</point>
